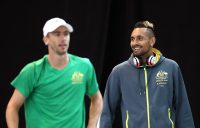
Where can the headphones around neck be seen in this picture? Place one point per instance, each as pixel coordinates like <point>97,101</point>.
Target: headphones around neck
<point>150,61</point>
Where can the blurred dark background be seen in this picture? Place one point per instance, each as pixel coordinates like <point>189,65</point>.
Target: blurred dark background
<point>102,31</point>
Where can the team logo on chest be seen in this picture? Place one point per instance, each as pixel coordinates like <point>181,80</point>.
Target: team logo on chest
<point>77,77</point>
<point>161,78</point>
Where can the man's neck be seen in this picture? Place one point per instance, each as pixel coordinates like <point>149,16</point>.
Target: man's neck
<point>58,61</point>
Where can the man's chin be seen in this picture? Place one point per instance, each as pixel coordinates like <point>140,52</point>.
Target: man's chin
<point>136,54</point>
<point>62,53</point>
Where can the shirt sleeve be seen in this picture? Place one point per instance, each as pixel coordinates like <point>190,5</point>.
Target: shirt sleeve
<point>24,82</point>
<point>183,112</point>
<point>112,97</point>
<point>92,84</point>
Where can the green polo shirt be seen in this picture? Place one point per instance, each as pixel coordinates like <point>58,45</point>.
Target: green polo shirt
<point>55,98</point>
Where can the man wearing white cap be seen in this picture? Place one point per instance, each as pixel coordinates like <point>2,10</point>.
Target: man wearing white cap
<point>52,89</point>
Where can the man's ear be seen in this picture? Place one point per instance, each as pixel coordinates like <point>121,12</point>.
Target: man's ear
<point>45,40</point>
<point>153,41</point>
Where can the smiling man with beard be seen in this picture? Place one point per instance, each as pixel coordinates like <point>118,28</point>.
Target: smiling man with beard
<point>148,87</point>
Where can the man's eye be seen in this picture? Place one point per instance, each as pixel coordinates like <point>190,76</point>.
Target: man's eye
<point>132,39</point>
<point>67,33</point>
<point>140,38</point>
<point>57,34</point>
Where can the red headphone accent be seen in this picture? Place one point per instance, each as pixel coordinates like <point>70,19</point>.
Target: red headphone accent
<point>150,61</point>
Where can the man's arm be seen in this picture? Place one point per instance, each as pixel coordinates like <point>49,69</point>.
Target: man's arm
<point>184,118</point>
<point>15,103</point>
<point>95,109</point>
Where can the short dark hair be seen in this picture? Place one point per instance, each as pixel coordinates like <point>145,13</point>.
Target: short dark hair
<point>145,24</point>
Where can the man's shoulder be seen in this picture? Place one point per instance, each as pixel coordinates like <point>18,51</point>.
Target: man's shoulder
<point>170,61</point>
<point>124,65</point>
<point>40,60</point>
<point>37,63</point>
<point>79,59</point>
<point>121,64</point>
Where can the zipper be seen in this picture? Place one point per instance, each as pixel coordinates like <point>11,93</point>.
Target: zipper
<point>147,97</point>
<point>127,118</point>
<point>169,116</point>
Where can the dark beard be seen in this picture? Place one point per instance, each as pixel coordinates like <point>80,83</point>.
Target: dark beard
<point>142,54</point>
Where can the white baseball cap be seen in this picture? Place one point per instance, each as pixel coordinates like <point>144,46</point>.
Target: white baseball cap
<point>53,24</point>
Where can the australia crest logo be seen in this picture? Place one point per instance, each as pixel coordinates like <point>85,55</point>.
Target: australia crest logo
<point>161,78</point>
